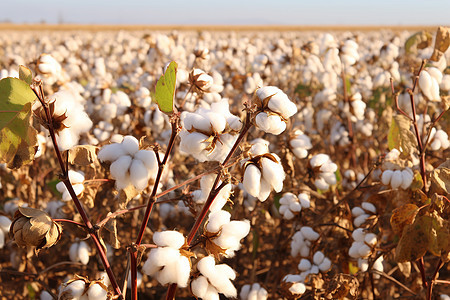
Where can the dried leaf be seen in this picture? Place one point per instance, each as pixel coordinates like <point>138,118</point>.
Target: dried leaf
<point>419,40</point>
<point>441,43</point>
<point>439,236</point>
<point>83,155</point>
<point>405,268</point>
<point>440,179</point>
<point>110,234</point>
<point>403,216</point>
<point>414,241</point>
<point>214,249</point>
<point>25,74</point>
<point>417,183</point>
<point>127,194</point>
<point>400,136</point>
<point>342,286</point>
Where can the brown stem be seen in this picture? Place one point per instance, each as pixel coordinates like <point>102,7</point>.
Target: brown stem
<point>38,90</point>
<point>396,101</point>
<point>70,221</point>
<point>432,280</point>
<point>421,266</point>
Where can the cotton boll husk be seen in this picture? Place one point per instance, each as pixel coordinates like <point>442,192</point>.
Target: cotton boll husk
<point>304,265</point>
<point>359,220</point>
<point>119,168</point>
<point>138,174</point>
<point>273,173</point>
<point>199,286</point>
<point>148,157</point>
<point>130,144</point>
<point>396,179</point>
<point>318,257</point>
<point>367,206</point>
<point>96,292</point>
<point>169,238</point>
<point>252,180</point>
<point>217,219</point>
<point>386,177</point>
<point>111,152</point>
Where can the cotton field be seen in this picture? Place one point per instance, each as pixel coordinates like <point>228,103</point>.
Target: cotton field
<point>225,164</point>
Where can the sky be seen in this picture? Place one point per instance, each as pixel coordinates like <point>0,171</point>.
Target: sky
<point>229,12</point>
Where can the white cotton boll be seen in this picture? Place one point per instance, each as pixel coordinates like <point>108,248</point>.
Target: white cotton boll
<point>425,83</point>
<point>318,160</point>
<point>224,287</point>
<point>304,251</point>
<point>280,103</point>
<point>119,168</point>
<point>130,144</point>
<point>197,121</point>
<point>304,265</point>
<point>193,143</point>
<point>138,174</point>
<point>270,123</point>
<point>353,251</point>
<point>309,233</point>
<point>364,250</point>
<point>314,270</point>
<point>297,288</point>
<point>359,220</point>
<point>321,184</point>
<point>273,173</point>
<point>435,73</point>
<point>367,206</point>
<point>325,265</point>
<point>295,207</point>
<point>318,257</point>
<point>183,272</point>
<point>96,292</point>
<point>158,258</point>
<point>357,211</point>
<point>407,178</point>
<point>148,157</point>
<point>111,152</point>
<point>378,264</point>
<point>330,178</point>
<point>236,229</point>
<point>371,239</point>
<point>2,239</point>
<point>83,253</point>
<point>169,238</point>
<point>217,219</point>
<point>218,122</point>
<point>252,180</point>
<point>363,264</point>
<point>304,200</point>
<point>358,235</point>
<point>45,296</point>
<point>5,223</point>
<point>328,167</point>
<point>74,290</point>
<point>386,177</point>
<point>396,179</point>
<point>199,286</point>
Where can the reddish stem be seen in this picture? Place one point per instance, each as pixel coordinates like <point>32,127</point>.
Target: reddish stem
<point>70,221</point>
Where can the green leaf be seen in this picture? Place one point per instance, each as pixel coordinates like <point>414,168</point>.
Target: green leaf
<point>419,40</point>
<point>25,74</point>
<point>17,137</point>
<point>400,135</point>
<point>165,89</point>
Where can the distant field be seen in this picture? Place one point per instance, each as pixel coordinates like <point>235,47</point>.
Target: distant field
<point>68,27</point>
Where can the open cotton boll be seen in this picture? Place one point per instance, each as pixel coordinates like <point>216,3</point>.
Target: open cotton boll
<point>111,152</point>
<point>325,265</point>
<point>270,123</point>
<point>358,234</point>
<point>318,257</point>
<point>79,252</point>
<point>318,160</point>
<point>359,220</point>
<point>96,292</point>
<point>304,265</point>
<point>357,211</point>
<point>148,157</point>
<point>273,173</point>
<point>169,238</point>
<point>396,179</point>
<point>130,144</point>
<point>252,180</point>
<point>218,275</point>
<point>367,206</point>
<point>386,177</point>
<point>309,233</point>
<point>120,168</point>
<point>199,286</point>
<point>217,219</point>
<point>74,290</point>
<point>138,174</point>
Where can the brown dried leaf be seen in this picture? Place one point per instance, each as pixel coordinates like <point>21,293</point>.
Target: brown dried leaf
<point>126,195</point>
<point>403,216</point>
<point>405,268</point>
<point>342,286</point>
<point>83,155</point>
<point>441,43</point>
<point>414,242</point>
<point>214,249</point>
<point>110,235</point>
<point>400,136</point>
<point>440,179</point>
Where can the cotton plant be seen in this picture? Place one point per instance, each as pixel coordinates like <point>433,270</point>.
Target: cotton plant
<point>209,134</point>
<point>168,262</point>
<point>290,204</point>
<point>253,292</point>
<point>300,144</point>
<point>324,169</point>
<point>225,233</point>
<point>429,81</point>
<point>69,117</point>
<point>295,285</point>
<point>320,263</point>
<point>262,171</point>
<point>302,240</point>
<point>76,179</point>
<point>129,165</point>
<point>438,139</point>
<point>274,109</point>
<point>200,80</point>
<point>213,280</point>
<point>206,183</point>
<point>82,289</point>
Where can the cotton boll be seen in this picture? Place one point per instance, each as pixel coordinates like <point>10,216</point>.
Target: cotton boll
<point>358,234</point>
<point>96,292</point>
<point>304,200</point>
<point>169,238</point>
<point>45,296</point>
<point>138,174</point>
<point>386,177</point>
<point>148,157</point>
<point>217,219</point>
<point>318,160</point>
<point>252,180</point>
<point>321,184</point>
<point>364,251</point>
<point>119,168</point>
<point>371,239</point>
<point>309,233</point>
<point>363,264</point>
<point>183,272</point>
<point>396,179</point>
<point>407,178</point>
<point>273,173</point>
<point>297,288</point>
<point>270,123</point>
<point>130,144</point>
<point>74,290</point>
<point>304,265</point>
<point>199,286</point>
<point>325,265</point>
<point>358,221</point>
<point>357,211</point>
<point>318,257</point>
<point>367,206</point>
<point>111,152</point>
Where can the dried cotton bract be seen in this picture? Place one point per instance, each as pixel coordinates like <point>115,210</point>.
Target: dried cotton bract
<point>166,263</point>
<point>274,108</point>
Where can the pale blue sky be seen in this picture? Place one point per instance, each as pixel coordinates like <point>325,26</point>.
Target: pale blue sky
<point>239,12</point>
